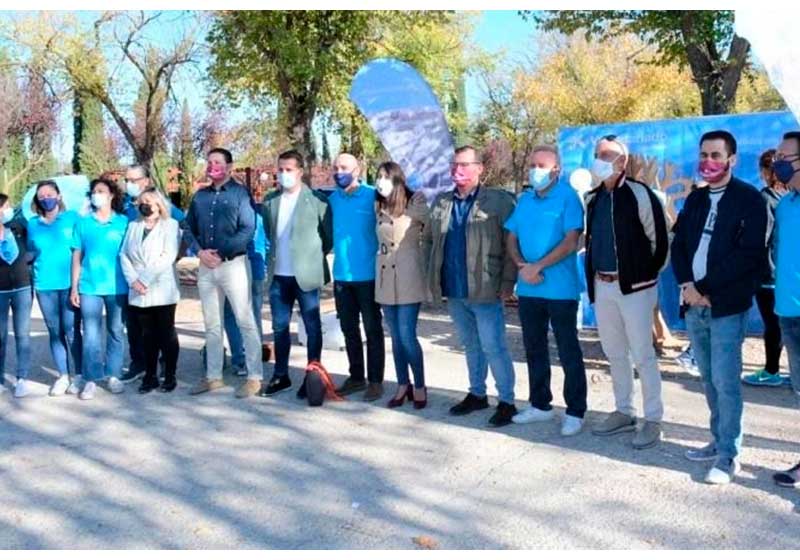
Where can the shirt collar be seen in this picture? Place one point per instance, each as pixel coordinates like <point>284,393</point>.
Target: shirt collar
<point>470,197</point>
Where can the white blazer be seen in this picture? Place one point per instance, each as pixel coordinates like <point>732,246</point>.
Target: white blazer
<point>152,262</point>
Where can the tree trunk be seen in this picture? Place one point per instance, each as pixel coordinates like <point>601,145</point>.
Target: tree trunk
<point>300,121</point>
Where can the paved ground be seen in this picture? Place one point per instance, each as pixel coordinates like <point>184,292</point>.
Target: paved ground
<point>173,471</point>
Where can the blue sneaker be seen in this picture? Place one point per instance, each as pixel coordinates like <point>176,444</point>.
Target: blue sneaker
<point>763,378</point>
<point>787,381</point>
<point>707,453</point>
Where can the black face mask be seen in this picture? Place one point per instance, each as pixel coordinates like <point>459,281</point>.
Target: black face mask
<point>146,210</point>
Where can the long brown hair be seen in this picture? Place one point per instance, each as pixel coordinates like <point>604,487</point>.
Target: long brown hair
<point>401,195</point>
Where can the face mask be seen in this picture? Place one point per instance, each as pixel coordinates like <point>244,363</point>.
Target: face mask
<point>100,200</point>
<point>463,176</point>
<point>8,214</point>
<point>48,204</point>
<point>712,171</point>
<point>343,180</point>
<point>216,171</point>
<point>145,210</point>
<point>384,186</point>
<point>539,178</point>
<point>602,169</point>
<point>133,189</point>
<point>784,171</point>
<point>286,180</point>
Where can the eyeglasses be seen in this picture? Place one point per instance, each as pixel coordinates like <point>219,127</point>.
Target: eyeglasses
<point>782,157</point>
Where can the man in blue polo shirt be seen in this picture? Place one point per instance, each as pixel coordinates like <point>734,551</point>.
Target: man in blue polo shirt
<point>543,240</point>
<point>355,244</point>
<point>787,269</point>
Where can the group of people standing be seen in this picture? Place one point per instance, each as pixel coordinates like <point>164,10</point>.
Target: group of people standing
<point>393,251</point>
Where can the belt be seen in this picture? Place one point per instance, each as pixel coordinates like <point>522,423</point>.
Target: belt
<point>234,256</point>
<point>603,277</point>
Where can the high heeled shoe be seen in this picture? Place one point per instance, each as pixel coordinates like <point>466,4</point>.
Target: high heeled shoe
<point>395,402</point>
<point>419,405</point>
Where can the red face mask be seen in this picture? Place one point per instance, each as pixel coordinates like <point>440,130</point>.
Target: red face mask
<point>462,175</point>
<point>216,171</point>
<point>712,171</point>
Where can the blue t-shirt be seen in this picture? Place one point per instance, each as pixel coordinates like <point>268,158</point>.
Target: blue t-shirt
<point>355,240</point>
<point>51,246</point>
<point>787,256</point>
<point>100,243</point>
<point>540,224</point>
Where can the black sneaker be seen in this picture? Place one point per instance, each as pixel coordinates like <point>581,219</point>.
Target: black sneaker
<point>132,374</point>
<point>503,415</point>
<point>471,403</point>
<point>302,393</point>
<point>277,384</point>
<point>351,386</point>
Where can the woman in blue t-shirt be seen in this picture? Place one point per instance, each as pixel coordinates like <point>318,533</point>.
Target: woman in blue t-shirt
<point>50,244</point>
<point>98,282</point>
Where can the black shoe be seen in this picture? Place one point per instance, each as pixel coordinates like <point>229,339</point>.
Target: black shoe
<point>133,373</point>
<point>471,403</point>
<point>168,385</point>
<point>302,392</point>
<point>148,386</point>
<point>351,386</point>
<point>276,385</point>
<point>503,415</point>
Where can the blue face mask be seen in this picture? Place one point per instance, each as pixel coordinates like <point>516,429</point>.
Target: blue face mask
<point>539,178</point>
<point>48,204</point>
<point>343,180</point>
<point>784,171</point>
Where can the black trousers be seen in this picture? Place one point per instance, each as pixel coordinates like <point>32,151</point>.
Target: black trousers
<point>535,314</point>
<point>135,344</point>
<point>354,301</point>
<point>765,299</point>
<point>157,334</point>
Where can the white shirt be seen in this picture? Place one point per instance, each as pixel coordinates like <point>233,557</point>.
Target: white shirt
<point>700,260</point>
<point>283,248</point>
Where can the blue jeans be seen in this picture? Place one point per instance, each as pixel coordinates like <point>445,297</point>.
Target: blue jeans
<point>235,340</point>
<point>717,346</point>
<point>481,328</point>
<point>406,350</point>
<point>790,335</point>
<point>282,294</point>
<point>19,302</point>
<point>63,323</point>
<point>535,315</point>
<point>92,319</point>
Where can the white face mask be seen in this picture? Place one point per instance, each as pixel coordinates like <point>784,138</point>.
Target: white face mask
<point>539,178</point>
<point>133,189</point>
<point>100,200</point>
<point>384,186</point>
<point>7,215</point>
<point>286,180</point>
<point>602,169</point>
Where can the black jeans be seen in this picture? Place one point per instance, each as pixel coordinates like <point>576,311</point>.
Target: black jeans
<point>135,343</point>
<point>157,333</point>
<point>765,299</point>
<point>356,300</point>
<point>535,314</point>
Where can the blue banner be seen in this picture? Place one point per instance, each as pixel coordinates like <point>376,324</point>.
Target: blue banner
<point>74,192</point>
<point>664,155</point>
<point>406,115</point>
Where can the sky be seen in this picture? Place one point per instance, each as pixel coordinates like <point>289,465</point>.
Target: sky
<point>504,33</point>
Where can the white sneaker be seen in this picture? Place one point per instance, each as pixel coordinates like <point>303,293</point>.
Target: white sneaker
<point>88,391</point>
<point>571,425</point>
<point>115,385</point>
<point>76,385</point>
<point>60,386</point>
<point>21,389</point>
<point>533,414</point>
<point>722,472</point>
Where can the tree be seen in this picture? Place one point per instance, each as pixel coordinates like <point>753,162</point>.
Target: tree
<point>185,156</point>
<point>94,151</point>
<point>702,40</point>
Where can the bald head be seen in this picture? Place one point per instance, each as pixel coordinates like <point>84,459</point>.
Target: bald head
<point>346,164</point>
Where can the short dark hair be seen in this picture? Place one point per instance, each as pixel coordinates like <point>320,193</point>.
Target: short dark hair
<point>3,198</point>
<point>292,154</point>
<point>467,148</point>
<point>117,204</point>
<point>225,153</point>
<point>793,135</point>
<point>765,159</point>
<point>724,135</point>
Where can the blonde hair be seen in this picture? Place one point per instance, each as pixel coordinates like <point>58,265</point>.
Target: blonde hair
<point>158,199</point>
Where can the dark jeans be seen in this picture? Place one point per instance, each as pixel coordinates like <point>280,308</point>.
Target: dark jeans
<point>535,314</point>
<point>63,323</point>
<point>790,326</point>
<point>135,343</point>
<point>19,302</point>
<point>765,298</point>
<point>283,292</point>
<point>354,301</point>
<point>157,334</point>
<point>406,350</point>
